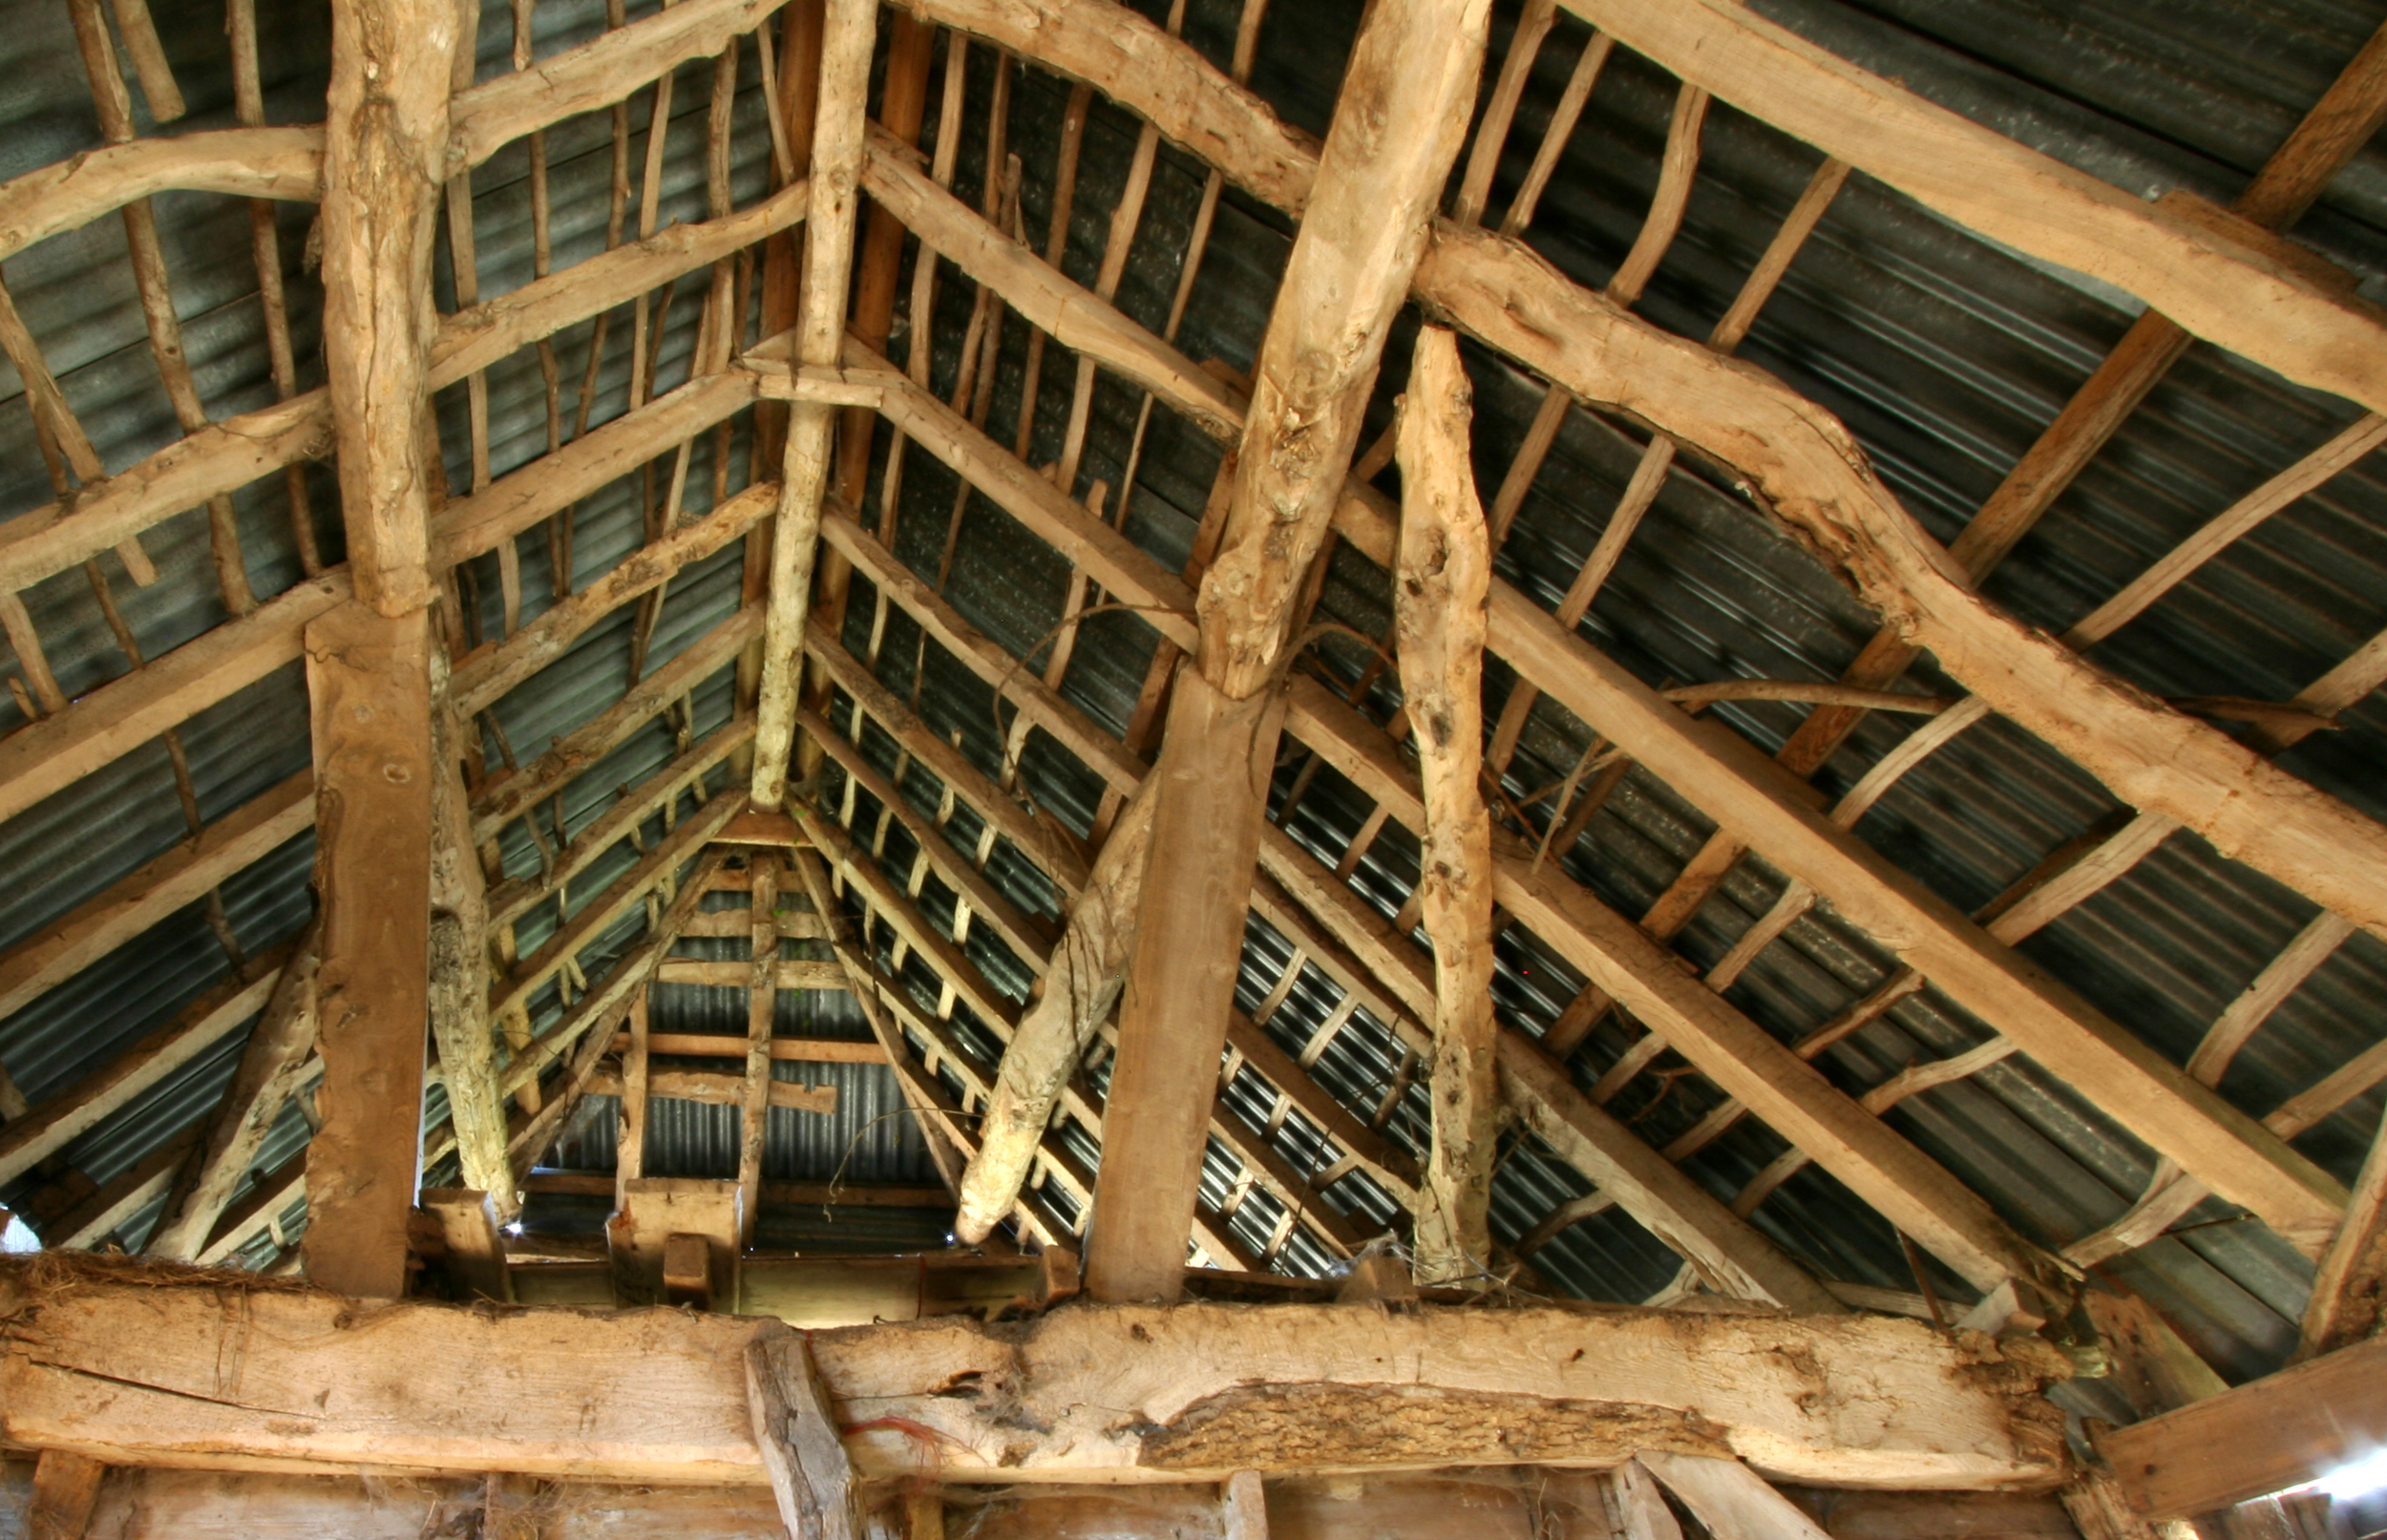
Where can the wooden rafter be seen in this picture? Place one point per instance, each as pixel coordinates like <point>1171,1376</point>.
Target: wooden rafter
<point>2223,287</point>
<point>272,1063</point>
<point>836,175</point>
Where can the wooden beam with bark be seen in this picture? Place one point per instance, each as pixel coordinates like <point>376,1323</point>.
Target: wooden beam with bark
<point>596,73</point>
<point>284,164</point>
<point>132,1374</point>
<point>460,962</point>
<point>1438,598</point>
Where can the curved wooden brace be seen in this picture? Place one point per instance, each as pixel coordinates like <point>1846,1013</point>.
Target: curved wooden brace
<point>1802,464</point>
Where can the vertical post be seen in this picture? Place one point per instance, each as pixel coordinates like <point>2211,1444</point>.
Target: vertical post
<point>1243,1507</point>
<point>368,677</point>
<point>762,1009</point>
<point>1440,595</point>
<point>369,662</point>
<point>630,1147</point>
<point>1211,789</point>
<point>66,1488</point>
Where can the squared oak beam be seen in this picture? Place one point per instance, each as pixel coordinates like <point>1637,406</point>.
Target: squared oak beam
<point>1396,132</point>
<point>1207,794</point>
<point>2262,1437</point>
<point>369,662</point>
<point>368,679</point>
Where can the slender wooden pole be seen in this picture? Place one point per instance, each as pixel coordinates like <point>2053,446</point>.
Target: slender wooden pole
<point>269,1072</point>
<point>762,1005</point>
<point>1439,596</point>
<point>1081,984</point>
<point>828,265</point>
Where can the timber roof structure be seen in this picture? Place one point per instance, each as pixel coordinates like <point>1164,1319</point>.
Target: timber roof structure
<point>1639,651</point>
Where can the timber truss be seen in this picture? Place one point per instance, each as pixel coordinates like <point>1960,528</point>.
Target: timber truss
<point>1055,986</point>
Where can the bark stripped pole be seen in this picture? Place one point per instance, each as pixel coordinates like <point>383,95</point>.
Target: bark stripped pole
<point>820,335</point>
<point>1081,985</point>
<point>1441,595</point>
<point>460,965</point>
<point>877,261</point>
<point>1396,131</point>
<point>368,661</point>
